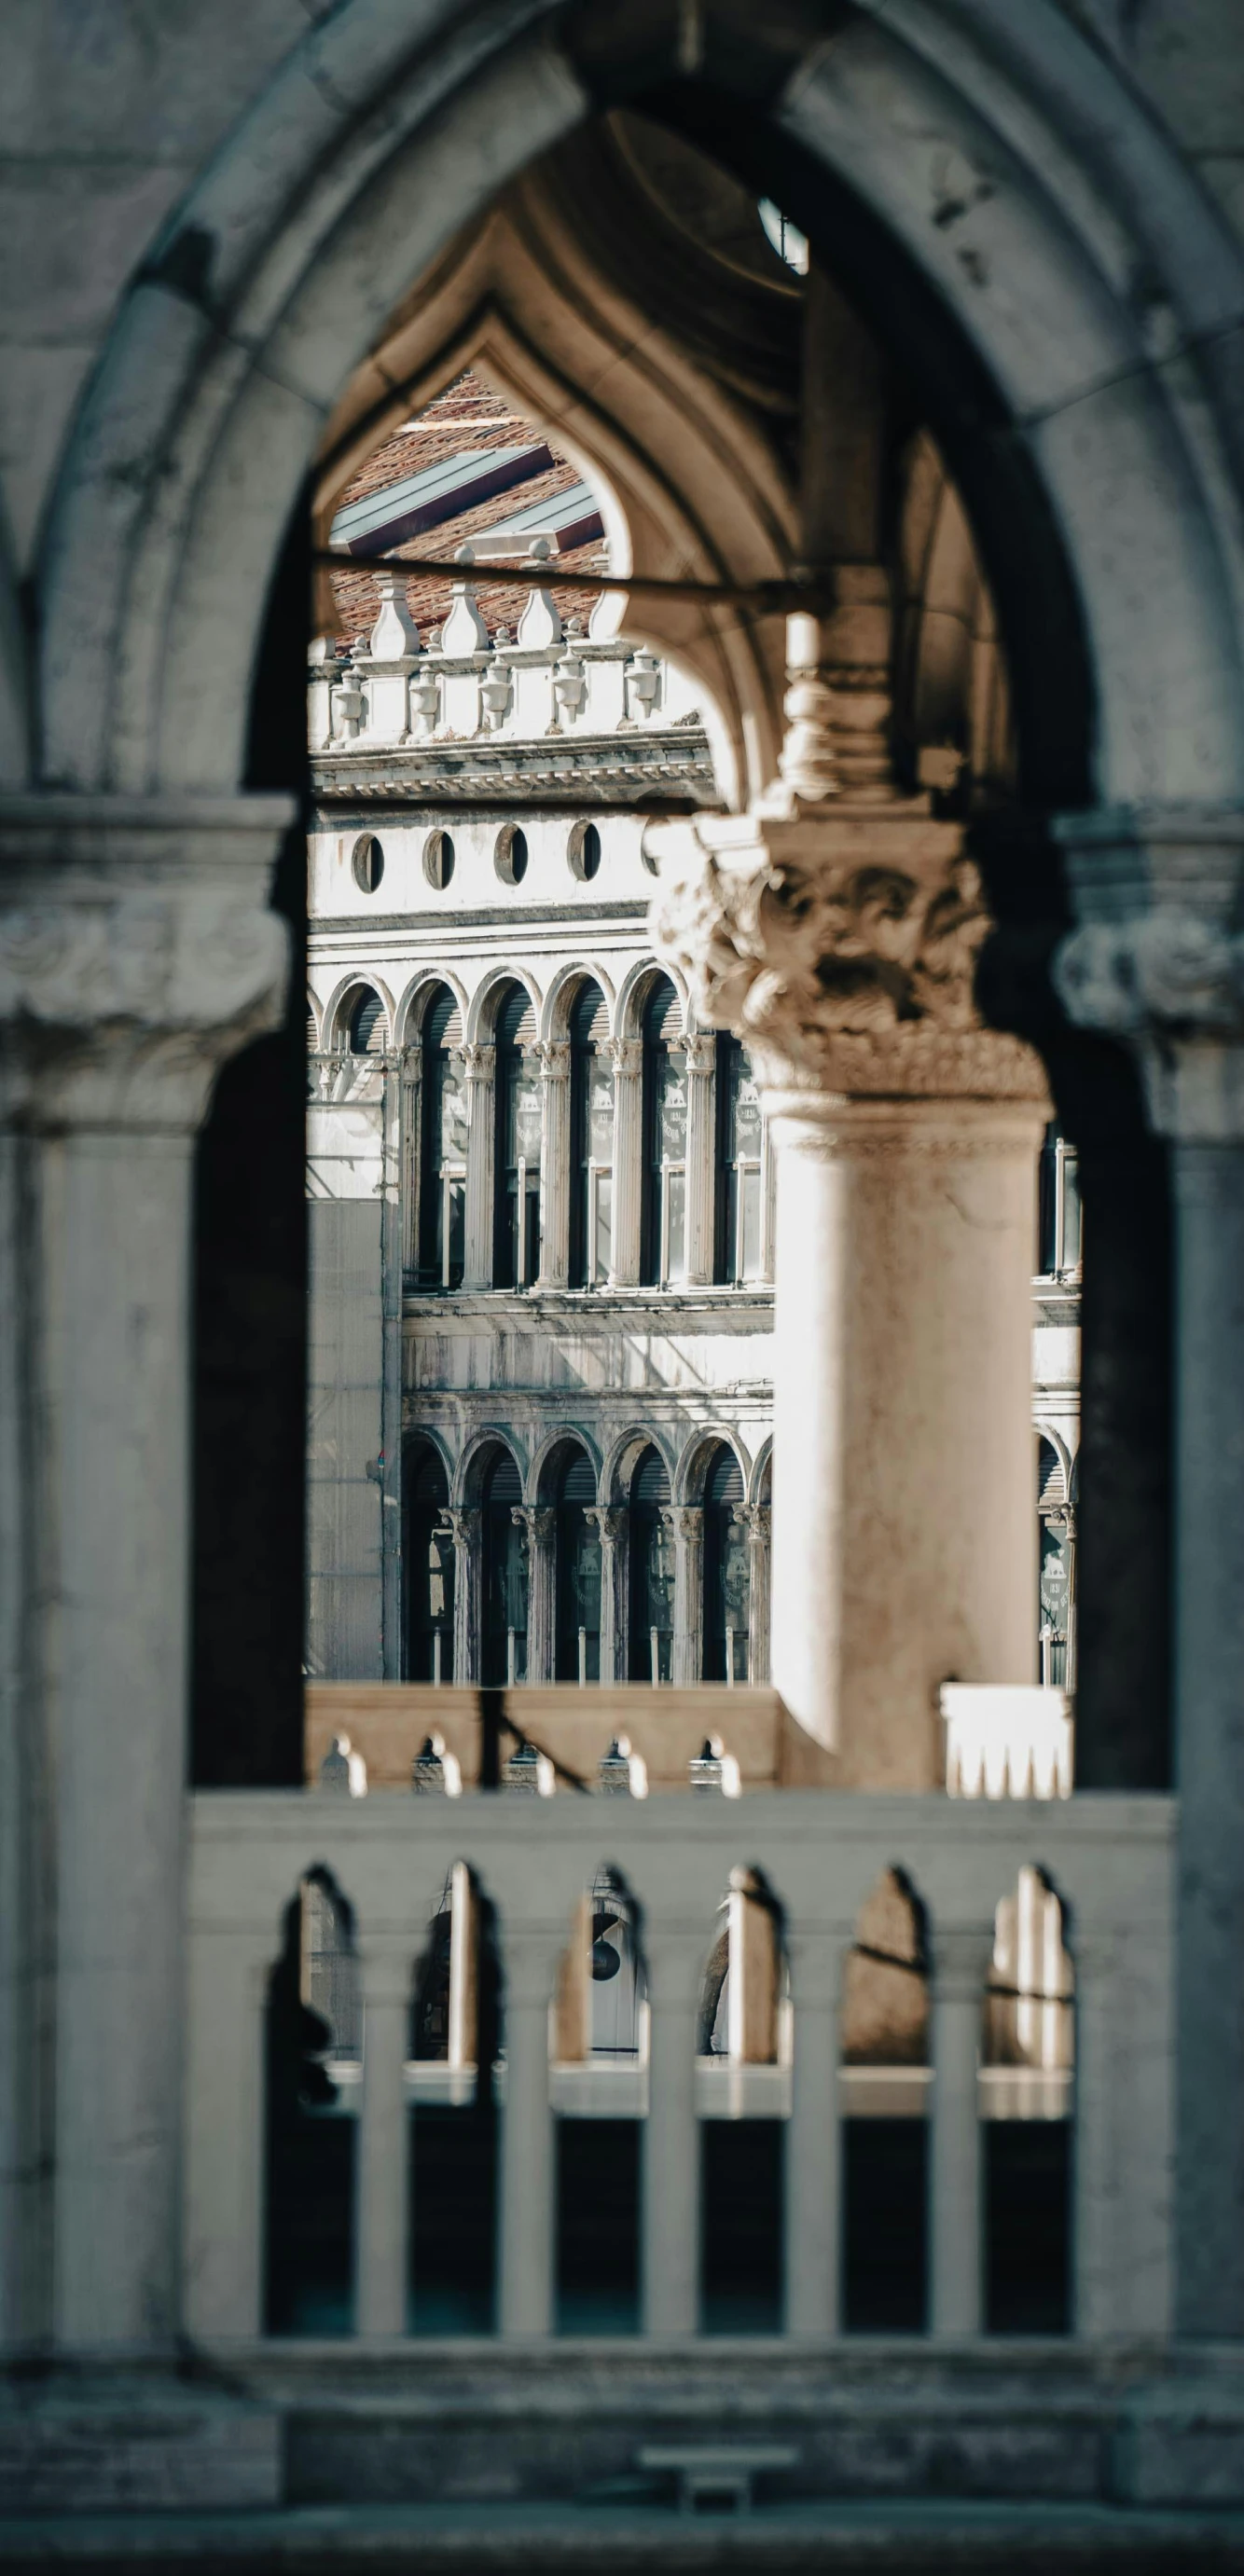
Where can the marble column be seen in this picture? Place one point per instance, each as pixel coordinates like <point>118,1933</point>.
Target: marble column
<point>540,1523</point>
<point>686,1520</point>
<point>701,1157</point>
<point>1158,962</point>
<point>480,1068</point>
<point>670,2200</point>
<point>410,1159</point>
<point>841,944</point>
<point>813,2186</point>
<point>628,1150</point>
<point>527,2175</point>
<point>956,2266</point>
<point>382,2199</point>
<point>136,955</point>
<point>554,1164</point>
<point>464,1522</point>
<point>755,1518</point>
<point>613,1526</point>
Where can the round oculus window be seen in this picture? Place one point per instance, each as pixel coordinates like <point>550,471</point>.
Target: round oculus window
<point>367,863</point>
<point>510,854</point>
<point>438,860</point>
<point>583,851</point>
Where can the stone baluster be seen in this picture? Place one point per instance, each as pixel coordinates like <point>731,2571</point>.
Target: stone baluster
<point>960,1966</point>
<point>813,2218</point>
<point>670,2200</point>
<point>540,1523</point>
<point>686,1521</point>
<point>136,956</point>
<point>755,1518</point>
<point>554,1059</point>
<point>908,1137</point>
<point>1158,963</point>
<point>480,1069</point>
<point>628,1148</point>
<point>382,2197</point>
<point>527,2179</point>
<point>464,1522</point>
<point>410,1167</point>
<point>613,1527</point>
<point>701,1156</point>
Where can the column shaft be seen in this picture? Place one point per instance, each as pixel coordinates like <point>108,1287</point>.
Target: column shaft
<point>904,1541</point>
<point>1209,1731</point>
<point>960,1967</point>
<point>554,1165</point>
<point>382,2197</point>
<point>671,2147</point>
<point>687,1523</point>
<point>465,1524</point>
<point>757,1516</point>
<point>480,1065</point>
<point>613,1528</point>
<point>411,1160</point>
<point>541,1527</point>
<point>813,2185</point>
<point>527,2184</point>
<point>115,1241</point>
<point>701,1157</point>
<point>628,1146</point>
<point>1098,2072</point>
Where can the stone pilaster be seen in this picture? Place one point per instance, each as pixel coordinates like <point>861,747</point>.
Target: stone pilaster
<point>1158,962</point>
<point>464,1523</point>
<point>540,1523</point>
<point>613,1526</point>
<point>554,1058</point>
<point>701,1156</point>
<point>480,1069</point>
<point>628,1148</point>
<point>136,955</point>
<point>840,943</point>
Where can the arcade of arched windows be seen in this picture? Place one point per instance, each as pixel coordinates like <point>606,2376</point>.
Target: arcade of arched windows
<point>583,1143</point>
<point>636,1569</point>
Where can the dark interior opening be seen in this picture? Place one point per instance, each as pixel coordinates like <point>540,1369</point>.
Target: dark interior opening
<point>884,2226</point>
<point>742,2176</point>
<point>598,2164</point>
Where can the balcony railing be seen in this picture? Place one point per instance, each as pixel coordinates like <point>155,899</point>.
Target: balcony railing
<point>390,1855</point>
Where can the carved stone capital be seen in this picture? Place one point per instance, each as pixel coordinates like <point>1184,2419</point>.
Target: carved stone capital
<point>610,1522</point>
<point>479,1063</point>
<point>842,947</point>
<point>137,952</point>
<point>686,1520</point>
<point>553,1057</point>
<point>1158,957</point>
<point>462,1521</point>
<point>626,1056</point>
<point>539,1520</point>
<point>701,1051</point>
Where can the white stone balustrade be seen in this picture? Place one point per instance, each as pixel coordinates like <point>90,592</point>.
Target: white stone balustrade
<point>402,691</point>
<point>819,1853</point>
<point>1007,1740</point>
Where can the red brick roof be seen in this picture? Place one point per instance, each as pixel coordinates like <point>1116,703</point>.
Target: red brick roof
<point>467,418</point>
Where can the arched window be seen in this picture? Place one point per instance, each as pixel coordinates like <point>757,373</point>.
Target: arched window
<point>429,1555</point>
<point>443,1154</point>
<point>577,1572</point>
<point>727,1580</point>
<point>504,1639</point>
<point>591,1140</point>
<point>516,1253</point>
<point>651,1573</point>
<point>663,1251</point>
<point>363,1022</point>
<point>1059,1229</point>
<point>740,1180</point>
